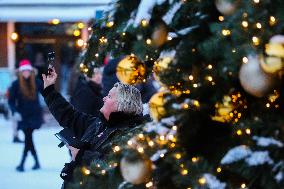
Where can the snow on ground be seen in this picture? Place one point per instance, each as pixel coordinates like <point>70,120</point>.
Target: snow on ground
<point>51,158</point>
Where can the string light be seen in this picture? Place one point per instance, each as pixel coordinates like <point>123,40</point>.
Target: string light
<point>194,159</point>
<point>129,142</point>
<point>86,171</point>
<point>255,40</point>
<point>248,131</point>
<point>221,18</point>
<point>141,136</point>
<point>210,66</point>
<point>226,32</point>
<point>245,60</point>
<point>272,20</point>
<point>190,77</point>
<point>80,42</point>
<point>151,143</point>
<point>144,22</point>
<point>55,21</point>
<point>140,150</point>
<point>218,169</point>
<point>148,41</point>
<point>174,128</point>
<point>184,172</point>
<point>149,184</point>
<point>76,33</point>
<point>162,155</point>
<point>109,24</point>
<point>243,185</point>
<point>202,181</point>
<point>178,156</point>
<point>172,145</point>
<point>256,1</point>
<point>239,132</point>
<point>116,149</point>
<point>267,105</point>
<point>258,25</point>
<point>162,137</point>
<point>97,55</point>
<point>14,36</point>
<point>103,40</point>
<point>81,25</point>
<point>89,28</point>
<point>169,38</point>
<point>245,24</point>
<point>209,78</point>
<point>103,172</point>
<point>195,85</point>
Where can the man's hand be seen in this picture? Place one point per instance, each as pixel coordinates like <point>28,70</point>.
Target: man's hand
<point>74,152</point>
<point>50,78</point>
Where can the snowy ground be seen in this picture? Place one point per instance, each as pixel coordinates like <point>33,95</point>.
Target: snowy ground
<point>51,158</point>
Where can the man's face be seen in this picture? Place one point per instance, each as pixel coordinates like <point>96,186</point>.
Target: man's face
<point>110,103</point>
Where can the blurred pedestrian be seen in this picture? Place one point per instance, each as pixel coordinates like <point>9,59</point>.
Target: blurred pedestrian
<point>24,103</point>
<point>87,96</point>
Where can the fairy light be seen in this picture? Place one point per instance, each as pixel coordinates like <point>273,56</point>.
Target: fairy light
<point>144,22</point>
<point>149,184</point>
<point>210,66</point>
<point>248,131</point>
<point>81,25</point>
<point>172,145</point>
<point>140,150</point>
<point>169,38</point>
<point>209,78</point>
<point>55,21</point>
<point>226,32</point>
<point>194,159</point>
<point>103,172</point>
<point>109,24</point>
<point>245,24</point>
<point>97,55</point>
<point>103,40</point>
<point>219,169</point>
<point>141,136</point>
<point>202,180</point>
<point>258,25</point>
<point>245,60</point>
<point>14,36</point>
<point>148,41</point>
<point>239,132</point>
<point>89,28</point>
<point>178,156</point>
<point>195,85</point>
<point>196,103</point>
<point>98,165</point>
<point>255,40</point>
<point>151,143</point>
<point>234,50</point>
<point>86,171</point>
<point>80,42</point>
<point>221,18</point>
<point>129,142</point>
<point>116,149</point>
<point>190,77</point>
<point>81,65</point>
<point>76,33</point>
<point>123,33</point>
<point>272,20</point>
<point>184,172</point>
<point>243,185</point>
<point>162,137</point>
<point>185,106</point>
<point>174,128</point>
<point>267,105</point>
<point>256,1</point>
<point>162,155</point>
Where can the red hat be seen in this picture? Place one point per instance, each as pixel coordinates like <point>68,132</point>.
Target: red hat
<point>25,65</point>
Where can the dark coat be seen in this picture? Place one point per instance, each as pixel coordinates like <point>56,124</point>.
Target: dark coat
<point>87,97</point>
<point>30,110</point>
<point>109,79</point>
<point>96,131</point>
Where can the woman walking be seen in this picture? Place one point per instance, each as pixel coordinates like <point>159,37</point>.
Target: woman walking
<point>23,99</point>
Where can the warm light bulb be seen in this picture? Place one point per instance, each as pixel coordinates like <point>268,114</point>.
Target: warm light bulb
<point>55,21</point>
<point>245,24</point>
<point>76,33</point>
<point>210,66</point>
<point>184,172</point>
<point>248,131</point>
<point>144,22</point>
<point>258,25</point>
<point>209,78</point>
<point>226,32</point>
<point>195,85</point>
<point>243,185</point>
<point>218,169</point>
<point>202,181</point>
<point>81,25</point>
<point>140,150</point>
<point>169,38</point>
<point>14,36</point>
<point>109,24</point>
<point>116,148</point>
<point>151,143</point>
<point>149,41</point>
<point>129,142</point>
<point>255,40</point>
<point>239,132</point>
<point>174,128</point>
<point>245,60</point>
<point>80,42</point>
<point>149,184</point>
<point>178,156</point>
<point>190,77</point>
<point>221,18</point>
<point>267,105</point>
<point>256,1</point>
<point>272,20</point>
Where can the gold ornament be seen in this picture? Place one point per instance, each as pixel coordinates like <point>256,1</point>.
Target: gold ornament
<point>253,79</point>
<point>130,70</point>
<point>156,105</point>
<point>223,110</point>
<point>136,171</point>
<point>273,63</point>
<point>160,35</point>
<point>226,7</point>
<point>160,66</point>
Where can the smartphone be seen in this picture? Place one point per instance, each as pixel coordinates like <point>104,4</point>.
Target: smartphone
<point>50,61</point>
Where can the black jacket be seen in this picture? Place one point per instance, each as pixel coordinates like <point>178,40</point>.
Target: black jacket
<point>87,97</point>
<point>97,131</point>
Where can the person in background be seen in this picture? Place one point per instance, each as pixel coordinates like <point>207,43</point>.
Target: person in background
<point>24,102</point>
<point>109,79</point>
<point>87,96</point>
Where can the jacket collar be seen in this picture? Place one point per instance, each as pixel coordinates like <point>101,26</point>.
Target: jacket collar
<point>121,119</point>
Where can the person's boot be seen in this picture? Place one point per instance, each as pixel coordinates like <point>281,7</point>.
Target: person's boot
<point>36,165</point>
<point>17,140</point>
<point>20,168</point>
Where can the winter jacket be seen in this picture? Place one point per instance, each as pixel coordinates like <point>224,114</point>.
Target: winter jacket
<point>87,97</point>
<point>109,79</point>
<point>96,131</point>
<point>30,110</point>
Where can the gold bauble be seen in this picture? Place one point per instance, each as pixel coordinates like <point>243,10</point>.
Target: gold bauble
<point>156,106</point>
<point>253,79</point>
<point>223,110</point>
<point>160,35</point>
<point>136,172</point>
<point>130,70</point>
<point>273,62</point>
<point>226,7</point>
<point>160,66</point>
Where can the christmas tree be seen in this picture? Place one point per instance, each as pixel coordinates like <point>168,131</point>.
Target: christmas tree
<point>218,118</point>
